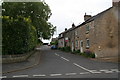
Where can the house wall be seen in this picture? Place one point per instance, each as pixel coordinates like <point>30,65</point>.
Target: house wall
<point>106,34</point>
<point>102,34</point>
<point>61,42</point>
<point>71,38</point>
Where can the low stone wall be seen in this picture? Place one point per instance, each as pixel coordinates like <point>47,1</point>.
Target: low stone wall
<point>16,58</point>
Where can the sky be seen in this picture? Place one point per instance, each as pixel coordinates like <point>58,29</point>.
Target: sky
<point>66,12</point>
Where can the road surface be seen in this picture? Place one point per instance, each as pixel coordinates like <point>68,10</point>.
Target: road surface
<point>58,64</point>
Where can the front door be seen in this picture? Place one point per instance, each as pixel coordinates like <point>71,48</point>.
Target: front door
<point>81,46</point>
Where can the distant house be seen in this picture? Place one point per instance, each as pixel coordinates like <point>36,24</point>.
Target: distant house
<point>66,38</point>
<point>98,33</point>
<point>54,39</point>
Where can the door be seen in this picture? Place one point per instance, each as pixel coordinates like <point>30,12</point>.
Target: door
<point>81,46</point>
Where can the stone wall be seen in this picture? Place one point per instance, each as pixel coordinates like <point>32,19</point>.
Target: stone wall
<point>16,58</point>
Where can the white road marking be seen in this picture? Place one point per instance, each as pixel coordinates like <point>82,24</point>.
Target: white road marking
<point>104,70</point>
<point>39,75</point>
<point>91,71</point>
<point>3,77</point>
<point>115,70</point>
<point>94,71</point>
<point>84,73</point>
<point>81,67</point>
<point>57,54</point>
<point>108,71</point>
<point>64,58</point>
<point>70,73</point>
<point>55,74</point>
<point>20,76</point>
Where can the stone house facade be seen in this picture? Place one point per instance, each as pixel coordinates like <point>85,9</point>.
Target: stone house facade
<point>61,40</point>
<point>66,38</point>
<point>99,34</point>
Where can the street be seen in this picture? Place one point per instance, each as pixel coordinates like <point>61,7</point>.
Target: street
<point>58,64</point>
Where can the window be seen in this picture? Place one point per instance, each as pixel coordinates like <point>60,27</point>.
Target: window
<point>76,43</point>
<point>87,43</point>
<point>87,29</point>
<point>61,35</point>
<point>76,33</point>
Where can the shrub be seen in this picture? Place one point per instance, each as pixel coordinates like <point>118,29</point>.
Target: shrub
<point>88,53</point>
<point>18,35</point>
<point>66,49</point>
<point>76,51</point>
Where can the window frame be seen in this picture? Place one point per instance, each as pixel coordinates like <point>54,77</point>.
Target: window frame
<point>87,43</point>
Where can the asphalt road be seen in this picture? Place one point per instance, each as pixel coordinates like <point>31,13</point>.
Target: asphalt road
<point>58,64</point>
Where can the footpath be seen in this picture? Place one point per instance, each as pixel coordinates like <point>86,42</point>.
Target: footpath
<point>32,61</point>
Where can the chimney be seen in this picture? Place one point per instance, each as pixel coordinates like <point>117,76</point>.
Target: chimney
<point>86,17</point>
<point>116,2</point>
<point>73,25</point>
<point>65,29</point>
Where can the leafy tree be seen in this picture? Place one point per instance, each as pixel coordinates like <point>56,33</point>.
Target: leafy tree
<point>38,12</point>
<point>23,23</point>
<point>19,36</point>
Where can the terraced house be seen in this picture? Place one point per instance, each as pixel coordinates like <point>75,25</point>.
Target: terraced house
<point>98,33</point>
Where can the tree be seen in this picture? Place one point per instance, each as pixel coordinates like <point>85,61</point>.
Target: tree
<point>38,12</point>
<point>23,23</point>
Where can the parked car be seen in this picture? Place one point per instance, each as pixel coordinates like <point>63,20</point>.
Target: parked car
<point>53,47</point>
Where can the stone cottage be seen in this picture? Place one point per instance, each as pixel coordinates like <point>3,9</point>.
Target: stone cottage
<point>99,33</point>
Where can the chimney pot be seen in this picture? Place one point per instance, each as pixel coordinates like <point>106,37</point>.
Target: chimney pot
<point>86,17</point>
<point>65,29</point>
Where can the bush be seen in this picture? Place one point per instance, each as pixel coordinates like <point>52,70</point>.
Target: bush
<point>19,36</point>
<point>88,53</point>
<point>75,52</point>
<point>66,49</point>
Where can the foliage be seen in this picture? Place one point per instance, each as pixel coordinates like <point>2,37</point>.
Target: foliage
<point>66,49</point>
<point>38,12</point>
<point>76,51</point>
<point>54,43</point>
<point>19,36</point>
<point>88,53</point>
<point>23,23</point>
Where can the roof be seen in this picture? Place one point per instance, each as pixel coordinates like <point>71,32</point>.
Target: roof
<point>87,21</point>
<point>94,17</point>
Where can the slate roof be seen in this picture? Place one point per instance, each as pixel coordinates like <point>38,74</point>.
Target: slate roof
<point>87,21</point>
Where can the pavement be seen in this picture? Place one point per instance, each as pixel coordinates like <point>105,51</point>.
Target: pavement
<point>32,61</point>
<point>47,63</point>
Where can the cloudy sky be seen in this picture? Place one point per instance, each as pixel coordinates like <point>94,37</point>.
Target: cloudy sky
<point>66,12</point>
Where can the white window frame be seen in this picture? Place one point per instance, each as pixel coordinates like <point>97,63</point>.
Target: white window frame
<point>87,43</point>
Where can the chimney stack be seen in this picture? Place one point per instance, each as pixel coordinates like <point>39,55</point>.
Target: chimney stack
<point>86,17</point>
<point>73,25</point>
<point>116,2</point>
<point>65,29</point>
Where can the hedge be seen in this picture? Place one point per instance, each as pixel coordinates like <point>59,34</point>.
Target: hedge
<point>18,35</point>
